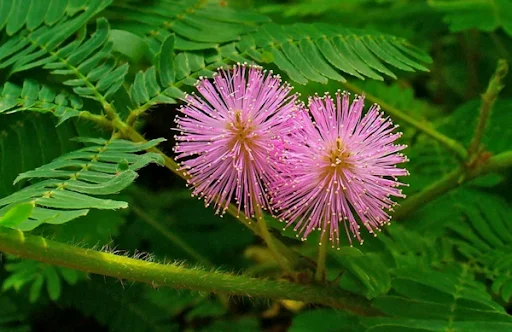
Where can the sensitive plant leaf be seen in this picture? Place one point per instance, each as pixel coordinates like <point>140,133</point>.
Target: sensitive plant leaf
<point>200,25</point>
<point>367,269</point>
<point>87,63</point>
<point>39,98</point>
<point>30,139</point>
<point>24,273</point>
<point>432,325</point>
<point>16,215</point>
<point>317,52</point>
<point>70,182</point>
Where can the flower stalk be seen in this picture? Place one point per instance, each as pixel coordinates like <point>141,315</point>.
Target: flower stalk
<point>322,256</point>
<point>488,99</point>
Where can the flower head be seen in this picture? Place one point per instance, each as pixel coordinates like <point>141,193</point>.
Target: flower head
<point>231,135</point>
<point>340,169</point>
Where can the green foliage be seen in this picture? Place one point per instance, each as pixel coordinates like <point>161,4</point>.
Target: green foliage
<point>103,168</point>
<point>35,274</point>
<point>36,98</point>
<point>485,15</point>
<point>32,48</point>
<point>92,68</point>
<point>29,140</point>
<point>197,24</point>
<point>33,13</point>
<point>121,308</point>
<point>315,52</point>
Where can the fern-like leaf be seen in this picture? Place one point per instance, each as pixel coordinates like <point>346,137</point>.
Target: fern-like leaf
<point>197,24</point>
<point>37,98</point>
<point>86,62</point>
<point>28,49</point>
<point>16,14</point>
<point>28,140</point>
<point>318,52</point>
<point>483,235</point>
<point>70,182</point>
<point>37,275</point>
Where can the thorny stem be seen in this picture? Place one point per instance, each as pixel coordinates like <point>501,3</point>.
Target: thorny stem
<point>447,142</point>
<point>170,236</point>
<point>167,275</point>
<point>322,254</point>
<point>452,180</point>
<point>488,99</point>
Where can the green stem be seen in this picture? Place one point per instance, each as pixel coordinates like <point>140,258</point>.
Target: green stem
<point>488,99</point>
<point>159,275</point>
<point>98,119</point>
<point>452,180</point>
<point>447,142</point>
<point>170,236</point>
<point>270,241</point>
<point>322,254</point>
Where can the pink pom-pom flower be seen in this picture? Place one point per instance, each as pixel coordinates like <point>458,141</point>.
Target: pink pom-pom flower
<point>340,169</point>
<point>231,135</point>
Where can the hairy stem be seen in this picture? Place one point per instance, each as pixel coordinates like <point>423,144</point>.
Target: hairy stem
<point>452,180</point>
<point>322,254</point>
<point>158,275</point>
<point>488,99</point>
<point>170,236</point>
<point>447,142</point>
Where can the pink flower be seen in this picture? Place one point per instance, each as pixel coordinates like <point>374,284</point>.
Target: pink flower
<point>340,169</point>
<point>231,136</point>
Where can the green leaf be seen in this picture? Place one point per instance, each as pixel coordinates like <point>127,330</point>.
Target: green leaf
<point>367,269</point>
<point>69,181</point>
<point>37,274</point>
<point>165,62</point>
<point>28,140</point>
<point>128,44</point>
<point>42,99</point>
<point>202,24</point>
<point>16,215</point>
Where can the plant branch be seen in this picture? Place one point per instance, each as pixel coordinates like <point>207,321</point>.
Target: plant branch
<point>322,255</point>
<point>452,180</point>
<point>447,142</point>
<point>164,275</point>
<point>488,99</point>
